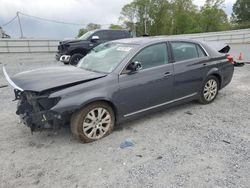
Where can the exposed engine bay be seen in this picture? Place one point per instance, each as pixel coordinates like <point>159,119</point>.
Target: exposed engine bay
<point>34,111</point>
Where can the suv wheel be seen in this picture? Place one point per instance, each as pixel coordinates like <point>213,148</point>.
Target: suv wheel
<point>75,58</point>
<point>93,122</point>
<point>209,90</point>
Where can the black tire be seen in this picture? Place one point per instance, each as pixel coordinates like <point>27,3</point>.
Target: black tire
<point>204,95</point>
<point>75,58</point>
<point>80,118</point>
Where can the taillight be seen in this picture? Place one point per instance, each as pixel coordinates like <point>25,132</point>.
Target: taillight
<point>230,59</point>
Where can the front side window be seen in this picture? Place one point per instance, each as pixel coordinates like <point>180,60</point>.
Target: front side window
<point>105,57</point>
<point>86,35</point>
<point>152,56</point>
<point>185,51</point>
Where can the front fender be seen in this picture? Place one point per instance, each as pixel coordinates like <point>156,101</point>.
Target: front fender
<point>72,104</point>
<point>78,96</point>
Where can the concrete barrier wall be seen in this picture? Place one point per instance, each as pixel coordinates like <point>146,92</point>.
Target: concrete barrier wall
<point>27,45</point>
<point>40,45</point>
<point>241,36</point>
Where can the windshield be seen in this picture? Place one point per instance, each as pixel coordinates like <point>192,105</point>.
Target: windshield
<point>86,35</point>
<point>105,57</point>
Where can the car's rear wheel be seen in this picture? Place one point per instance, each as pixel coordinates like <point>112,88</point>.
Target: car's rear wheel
<point>75,58</point>
<point>209,90</point>
<point>93,122</point>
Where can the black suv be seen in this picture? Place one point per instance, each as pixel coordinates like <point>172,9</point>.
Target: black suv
<point>71,51</point>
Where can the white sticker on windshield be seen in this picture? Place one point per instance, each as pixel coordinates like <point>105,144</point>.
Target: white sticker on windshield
<point>124,49</point>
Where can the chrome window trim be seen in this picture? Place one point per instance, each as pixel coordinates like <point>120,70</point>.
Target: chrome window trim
<point>159,105</point>
<point>204,50</point>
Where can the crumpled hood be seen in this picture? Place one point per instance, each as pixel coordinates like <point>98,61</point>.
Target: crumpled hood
<point>53,77</point>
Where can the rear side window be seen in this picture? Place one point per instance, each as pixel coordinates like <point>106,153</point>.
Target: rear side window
<point>117,35</point>
<point>185,50</point>
<point>201,52</point>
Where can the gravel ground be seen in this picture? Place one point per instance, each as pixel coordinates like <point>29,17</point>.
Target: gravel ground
<point>190,145</point>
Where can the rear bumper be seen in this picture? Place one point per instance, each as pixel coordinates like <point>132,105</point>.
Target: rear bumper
<point>227,76</point>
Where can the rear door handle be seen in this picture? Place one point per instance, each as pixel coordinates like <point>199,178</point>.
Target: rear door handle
<point>167,74</point>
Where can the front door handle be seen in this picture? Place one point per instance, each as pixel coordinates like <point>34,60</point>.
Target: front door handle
<point>167,74</point>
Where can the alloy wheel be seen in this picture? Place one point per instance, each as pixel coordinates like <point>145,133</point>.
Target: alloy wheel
<point>210,90</point>
<point>96,123</point>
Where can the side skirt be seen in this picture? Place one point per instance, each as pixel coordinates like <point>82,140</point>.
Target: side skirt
<point>160,105</point>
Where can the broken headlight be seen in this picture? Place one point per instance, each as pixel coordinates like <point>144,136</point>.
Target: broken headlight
<point>47,103</point>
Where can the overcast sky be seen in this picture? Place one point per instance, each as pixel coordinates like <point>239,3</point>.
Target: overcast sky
<point>77,11</point>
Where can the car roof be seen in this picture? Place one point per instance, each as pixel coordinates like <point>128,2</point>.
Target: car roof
<point>95,30</point>
<point>149,40</point>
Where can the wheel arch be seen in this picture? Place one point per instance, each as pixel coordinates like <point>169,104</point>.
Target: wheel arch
<point>104,100</point>
<point>215,72</point>
<point>78,51</point>
<point>218,76</point>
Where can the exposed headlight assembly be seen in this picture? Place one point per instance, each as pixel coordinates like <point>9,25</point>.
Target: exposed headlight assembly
<point>47,103</point>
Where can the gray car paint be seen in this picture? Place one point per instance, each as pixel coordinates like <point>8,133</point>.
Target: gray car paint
<point>131,94</point>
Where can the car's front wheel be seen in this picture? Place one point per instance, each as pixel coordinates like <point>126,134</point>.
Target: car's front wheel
<point>209,90</point>
<point>93,122</point>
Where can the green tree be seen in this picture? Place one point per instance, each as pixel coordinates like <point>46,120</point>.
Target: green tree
<point>160,18</point>
<point>184,14</point>
<point>93,26</point>
<point>89,27</point>
<point>167,17</point>
<point>213,17</point>
<point>241,13</point>
<point>81,32</point>
<point>114,26</point>
<point>128,16</point>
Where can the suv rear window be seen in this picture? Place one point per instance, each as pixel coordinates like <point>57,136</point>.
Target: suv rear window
<point>186,50</point>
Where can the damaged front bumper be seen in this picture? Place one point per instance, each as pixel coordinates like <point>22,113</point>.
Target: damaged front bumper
<point>65,58</point>
<point>37,115</point>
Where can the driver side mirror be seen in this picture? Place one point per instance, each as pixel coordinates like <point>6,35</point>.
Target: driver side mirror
<point>134,67</point>
<point>94,38</point>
